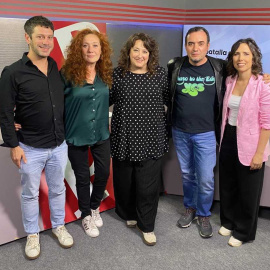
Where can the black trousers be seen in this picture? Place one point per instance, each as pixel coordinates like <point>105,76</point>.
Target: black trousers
<point>240,190</point>
<point>136,191</point>
<point>78,156</point>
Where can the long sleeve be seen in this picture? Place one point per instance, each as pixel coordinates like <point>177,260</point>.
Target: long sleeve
<point>8,93</point>
<point>111,96</point>
<point>165,88</point>
<point>265,106</point>
<point>114,86</point>
<point>170,66</point>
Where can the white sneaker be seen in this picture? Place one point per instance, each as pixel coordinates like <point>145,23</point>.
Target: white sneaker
<point>63,236</point>
<point>97,218</point>
<point>149,238</point>
<point>32,247</point>
<point>224,232</point>
<point>131,223</point>
<point>234,242</point>
<point>90,227</point>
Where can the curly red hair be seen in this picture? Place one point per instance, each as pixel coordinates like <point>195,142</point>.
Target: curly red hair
<point>74,68</point>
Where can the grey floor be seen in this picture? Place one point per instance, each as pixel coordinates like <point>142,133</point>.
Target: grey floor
<point>119,247</point>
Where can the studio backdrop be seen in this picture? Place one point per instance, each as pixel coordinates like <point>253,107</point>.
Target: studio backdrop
<point>12,49</point>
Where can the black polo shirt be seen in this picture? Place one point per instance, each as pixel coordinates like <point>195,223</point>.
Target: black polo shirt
<point>38,101</point>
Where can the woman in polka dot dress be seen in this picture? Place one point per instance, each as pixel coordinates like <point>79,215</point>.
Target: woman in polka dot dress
<point>138,133</point>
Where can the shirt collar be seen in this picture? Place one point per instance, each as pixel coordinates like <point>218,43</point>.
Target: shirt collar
<point>26,60</point>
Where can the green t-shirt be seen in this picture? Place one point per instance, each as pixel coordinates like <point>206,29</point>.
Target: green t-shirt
<point>87,113</point>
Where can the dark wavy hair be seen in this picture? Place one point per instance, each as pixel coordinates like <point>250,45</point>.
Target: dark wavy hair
<point>74,68</point>
<point>149,43</point>
<point>256,59</point>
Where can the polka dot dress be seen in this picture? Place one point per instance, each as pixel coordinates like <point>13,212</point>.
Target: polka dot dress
<point>138,129</point>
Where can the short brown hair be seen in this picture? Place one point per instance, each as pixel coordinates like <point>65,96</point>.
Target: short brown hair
<point>31,23</point>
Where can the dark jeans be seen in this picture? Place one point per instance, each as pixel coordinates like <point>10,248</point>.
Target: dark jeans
<point>78,156</point>
<point>240,190</point>
<point>136,190</point>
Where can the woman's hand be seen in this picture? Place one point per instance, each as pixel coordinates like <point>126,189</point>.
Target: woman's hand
<point>17,126</point>
<point>266,78</point>
<point>256,162</point>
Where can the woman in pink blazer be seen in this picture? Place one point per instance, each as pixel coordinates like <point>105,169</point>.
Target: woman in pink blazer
<point>244,142</point>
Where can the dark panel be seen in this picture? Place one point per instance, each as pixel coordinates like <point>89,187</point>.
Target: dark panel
<point>168,38</point>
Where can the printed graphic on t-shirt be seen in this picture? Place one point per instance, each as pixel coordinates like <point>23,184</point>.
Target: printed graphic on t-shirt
<point>194,85</point>
<point>194,100</point>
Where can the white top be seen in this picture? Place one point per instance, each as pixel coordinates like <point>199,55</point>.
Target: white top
<point>233,105</point>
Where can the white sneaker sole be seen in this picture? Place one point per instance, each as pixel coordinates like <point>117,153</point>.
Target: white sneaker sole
<point>99,225</point>
<point>131,225</point>
<point>63,246</point>
<point>92,235</point>
<point>186,226</point>
<point>206,236</point>
<point>144,240</point>
<point>234,243</point>
<point>32,258</point>
<point>225,233</point>
<point>203,235</point>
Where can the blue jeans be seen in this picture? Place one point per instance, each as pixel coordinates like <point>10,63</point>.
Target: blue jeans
<point>54,161</point>
<point>197,157</point>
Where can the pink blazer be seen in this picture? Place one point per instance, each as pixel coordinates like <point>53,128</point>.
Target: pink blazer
<point>253,115</point>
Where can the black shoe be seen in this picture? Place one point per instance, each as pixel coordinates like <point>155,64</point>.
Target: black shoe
<point>205,227</point>
<point>186,219</point>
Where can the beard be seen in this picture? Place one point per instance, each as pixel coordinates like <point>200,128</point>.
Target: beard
<point>196,61</point>
<point>38,52</point>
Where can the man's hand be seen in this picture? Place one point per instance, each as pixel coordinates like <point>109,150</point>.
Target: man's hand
<point>17,126</point>
<point>266,78</point>
<point>17,154</point>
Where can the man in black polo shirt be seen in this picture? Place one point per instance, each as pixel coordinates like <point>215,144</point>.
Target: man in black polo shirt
<point>34,88</point>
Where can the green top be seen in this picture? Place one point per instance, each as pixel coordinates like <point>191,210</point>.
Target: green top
<point>87,113</point>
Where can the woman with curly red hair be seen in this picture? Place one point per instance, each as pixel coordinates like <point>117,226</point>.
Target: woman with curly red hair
<point>87,73</point>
